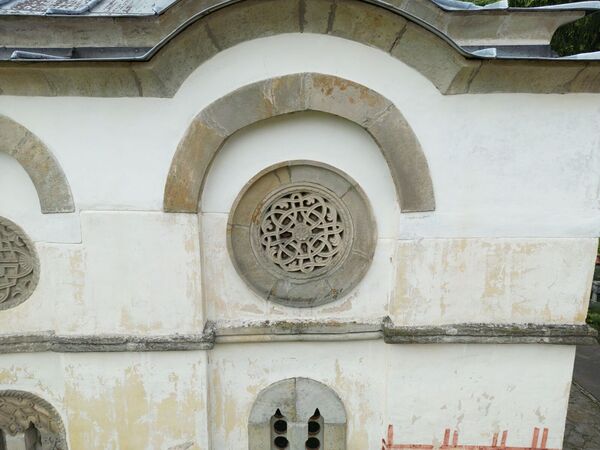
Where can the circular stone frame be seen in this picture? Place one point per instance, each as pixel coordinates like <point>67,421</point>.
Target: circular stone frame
<point>354,249</point>
<point>33,276</point>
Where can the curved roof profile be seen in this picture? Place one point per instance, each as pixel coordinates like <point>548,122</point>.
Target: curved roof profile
<point>117,54</point>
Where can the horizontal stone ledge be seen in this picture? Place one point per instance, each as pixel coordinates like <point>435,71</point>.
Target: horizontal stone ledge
<point>51,342</point>
<point>486,333</point>
<point>296,330</point>
<point>300,331</point>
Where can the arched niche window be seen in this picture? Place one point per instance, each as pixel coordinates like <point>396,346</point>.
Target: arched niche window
<point>297,414</point>
<point>29,423</point>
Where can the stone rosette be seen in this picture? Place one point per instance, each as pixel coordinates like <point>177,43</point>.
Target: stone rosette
<point>19,265</point>
<point>301,234</point>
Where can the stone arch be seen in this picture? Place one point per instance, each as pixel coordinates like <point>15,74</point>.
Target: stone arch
<point>40,164</point>
<point>297,400</point>
<point>23,412</point>
<point>294,93</point>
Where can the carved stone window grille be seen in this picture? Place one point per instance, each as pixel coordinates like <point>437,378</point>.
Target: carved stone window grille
<point>19,265</point>
<point>302,234</point>
<point>303,231</point>
<point>29,423</point>
<point>297,414</point>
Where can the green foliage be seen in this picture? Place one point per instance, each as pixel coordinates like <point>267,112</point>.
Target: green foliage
<point>578,37</point>
<point>593,319</point>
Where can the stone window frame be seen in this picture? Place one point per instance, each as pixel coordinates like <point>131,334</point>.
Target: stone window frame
<point>47,421</point>
<point>326,284</point>
<point>297,399</point>
<point>33,155</point>
<point>287,94</point>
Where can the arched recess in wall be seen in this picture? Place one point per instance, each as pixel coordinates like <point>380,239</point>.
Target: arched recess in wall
<point>299,412</point>
<point>294,93</point>
<point>46,174</point>
<point>28,417</point>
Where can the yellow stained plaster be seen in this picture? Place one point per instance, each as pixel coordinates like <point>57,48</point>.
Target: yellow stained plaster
<point>358,436</point>
<point>112,420</point>
<point>77,270</point>
<point>126,416</point>
<point>8,376</point>
<point>226,414</point>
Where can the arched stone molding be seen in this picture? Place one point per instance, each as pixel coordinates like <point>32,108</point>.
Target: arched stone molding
<point>191,36</point>
<point>19,410</point>
<point>46,174</point>
<point>298,401</point>
<point>294,93</point>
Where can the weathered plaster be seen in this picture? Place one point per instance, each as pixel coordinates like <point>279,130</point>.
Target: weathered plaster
<point>126,262</point>
<point>443,281</point>
<point>119,401</point>
<point>468,386</point>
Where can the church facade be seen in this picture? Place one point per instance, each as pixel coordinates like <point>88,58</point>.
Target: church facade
<point>292,224</point>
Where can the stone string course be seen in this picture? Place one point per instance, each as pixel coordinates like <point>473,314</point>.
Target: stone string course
<point>297,330</point>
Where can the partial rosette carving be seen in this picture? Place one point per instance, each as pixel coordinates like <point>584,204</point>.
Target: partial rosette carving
<point>19,265</point>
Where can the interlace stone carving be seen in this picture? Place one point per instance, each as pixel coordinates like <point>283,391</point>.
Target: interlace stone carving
<point>18,265</point>
<point>301,234</point>
<point>20,410</point>
<point>302,230</point>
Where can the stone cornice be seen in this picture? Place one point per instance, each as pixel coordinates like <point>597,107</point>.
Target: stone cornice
<point>163,59</point>
<point>301,330</point>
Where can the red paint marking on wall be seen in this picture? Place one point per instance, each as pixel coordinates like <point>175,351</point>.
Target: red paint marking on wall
<point>388,443</point>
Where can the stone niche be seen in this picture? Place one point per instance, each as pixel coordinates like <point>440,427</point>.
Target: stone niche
<point>301,234</point>
<point>297,414</point>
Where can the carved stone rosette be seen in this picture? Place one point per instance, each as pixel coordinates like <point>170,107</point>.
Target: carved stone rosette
<point>19,265</point>
<point>301,234</point>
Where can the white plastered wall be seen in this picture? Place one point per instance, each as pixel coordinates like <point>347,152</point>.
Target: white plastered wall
<point>512,239</point>
<point>121,401</point>
<point>503,166</point>
<point>477,390</point>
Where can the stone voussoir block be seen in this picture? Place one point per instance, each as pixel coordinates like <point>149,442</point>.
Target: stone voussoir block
<point>245,106</point>
<point>366,24</point>
<point>404,154</point>
<point>189,166</point>
<point>525,76</point>
<point>344,98</point>
<point>252,20</point>
<point>434,58</point>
